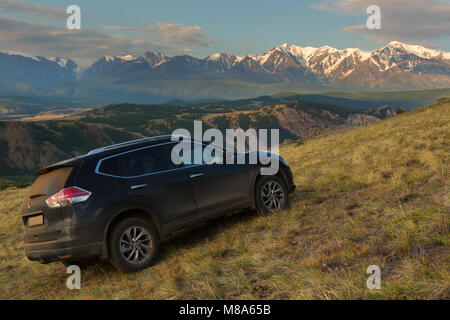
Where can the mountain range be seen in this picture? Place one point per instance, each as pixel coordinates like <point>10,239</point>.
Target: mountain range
<point>20,66</point>
<point>289,63</point>
<point>155,76</point>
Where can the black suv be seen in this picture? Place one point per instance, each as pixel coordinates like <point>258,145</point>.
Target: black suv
<point>117,202</point>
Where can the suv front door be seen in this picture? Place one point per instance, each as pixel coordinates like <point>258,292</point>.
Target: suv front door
<point>220,186</point>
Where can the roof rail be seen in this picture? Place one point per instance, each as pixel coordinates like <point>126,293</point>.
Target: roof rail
<point>130,142</point>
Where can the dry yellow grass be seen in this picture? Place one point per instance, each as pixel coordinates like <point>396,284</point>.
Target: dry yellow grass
<point>372,195</point>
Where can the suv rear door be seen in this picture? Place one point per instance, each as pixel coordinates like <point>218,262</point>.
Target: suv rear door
<point>154,181</point>
<point>41,222</point>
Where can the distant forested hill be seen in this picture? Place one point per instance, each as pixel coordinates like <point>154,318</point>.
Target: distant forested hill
<point>25,146</point>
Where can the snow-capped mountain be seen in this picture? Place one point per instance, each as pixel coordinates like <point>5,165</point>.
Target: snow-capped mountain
<point>152,59</point>
<point>23,67</point>
<point>226,60</point>
<point>290,63</point>
<point>396,65</point>
<point>108,64</point>
<point>338,64</point>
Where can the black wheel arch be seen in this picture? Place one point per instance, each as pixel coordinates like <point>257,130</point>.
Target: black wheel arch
<point>257,174</point>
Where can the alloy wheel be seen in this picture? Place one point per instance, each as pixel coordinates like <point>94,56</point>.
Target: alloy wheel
<point>135,244</point>
<point>272,195</point>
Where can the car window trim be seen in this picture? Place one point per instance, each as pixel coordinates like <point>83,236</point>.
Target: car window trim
<point>97,168</point>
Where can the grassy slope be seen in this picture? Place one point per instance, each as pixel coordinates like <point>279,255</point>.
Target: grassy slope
<point>372,195</point>
<point>394,95</point>
<point>363,100</point>
<point>406,99</point>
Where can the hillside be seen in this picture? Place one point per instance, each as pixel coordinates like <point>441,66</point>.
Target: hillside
<point>404,99</point>
<point>372,195</point>
<point>26,146</point>
<point>407,100</point>
<point>47,108</point>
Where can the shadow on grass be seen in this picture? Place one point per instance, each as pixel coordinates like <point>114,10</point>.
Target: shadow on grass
<point>204,232</point>
<point>209,230</point>
<point>197,235</point>
<point>186,238</point>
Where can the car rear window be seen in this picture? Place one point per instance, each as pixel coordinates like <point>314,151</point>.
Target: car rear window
<point>50,182</point>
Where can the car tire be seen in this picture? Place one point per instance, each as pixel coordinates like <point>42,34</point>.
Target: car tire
<point>271,194</point>
<point>133,245</point>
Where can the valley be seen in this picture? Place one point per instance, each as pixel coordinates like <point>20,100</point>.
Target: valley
<point>26,146</point>
<point>377,194</point>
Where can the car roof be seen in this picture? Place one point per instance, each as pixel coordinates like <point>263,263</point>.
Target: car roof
<point>109,150</point>
<point>147,140</point>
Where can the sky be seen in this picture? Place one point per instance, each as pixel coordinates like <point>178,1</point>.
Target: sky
<point>204,27</point>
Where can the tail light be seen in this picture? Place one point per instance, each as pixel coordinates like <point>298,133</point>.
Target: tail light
<point>67,196</point>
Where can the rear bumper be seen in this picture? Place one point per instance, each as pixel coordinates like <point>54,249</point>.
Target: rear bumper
<point>51,251</point>
<point>76,241</point>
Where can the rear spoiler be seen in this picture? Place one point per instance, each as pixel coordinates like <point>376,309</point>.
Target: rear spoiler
<point>63,164</point>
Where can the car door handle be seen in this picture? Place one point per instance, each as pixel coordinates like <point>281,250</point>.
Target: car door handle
<point>138,186</point>
<point>196,175</point>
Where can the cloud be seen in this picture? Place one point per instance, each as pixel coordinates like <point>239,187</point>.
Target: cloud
<point>32,10</point>
<point>403,20</point>
<point>326,5</point>
<point>181,35</point>
<point>172,34</point>
<point>83,45</point>
<point>131,29</point>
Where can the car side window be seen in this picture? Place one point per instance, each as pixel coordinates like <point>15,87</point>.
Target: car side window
<point>147,161</point>
<point>111,166</point>
<point>155,159</point>
<point>210,156</point>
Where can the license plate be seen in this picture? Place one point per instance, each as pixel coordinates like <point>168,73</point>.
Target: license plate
<point>36,220</point>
